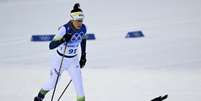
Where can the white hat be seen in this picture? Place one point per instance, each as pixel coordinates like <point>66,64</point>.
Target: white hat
<point>77,16</point>
<point>76,13</point>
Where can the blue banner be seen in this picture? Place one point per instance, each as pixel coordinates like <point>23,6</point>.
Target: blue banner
<point>134,34</point>
<point>49,37</point>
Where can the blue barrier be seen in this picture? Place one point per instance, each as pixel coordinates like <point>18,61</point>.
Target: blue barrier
<point>90,36</point>
<point>134,34</point>
<point>49,37</point>
<point>38,38</point>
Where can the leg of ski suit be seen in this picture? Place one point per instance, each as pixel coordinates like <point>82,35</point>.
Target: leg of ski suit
<point>73,68</point>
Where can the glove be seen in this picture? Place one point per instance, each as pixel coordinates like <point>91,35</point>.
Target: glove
<point>83,60</point>
<point>67,37</point>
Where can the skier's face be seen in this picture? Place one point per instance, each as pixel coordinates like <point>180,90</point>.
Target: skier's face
<point>77,23</point>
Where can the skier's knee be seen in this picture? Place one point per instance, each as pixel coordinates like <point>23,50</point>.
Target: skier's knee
<point>80,98</point>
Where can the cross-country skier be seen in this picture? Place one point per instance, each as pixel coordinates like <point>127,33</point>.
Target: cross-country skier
<point>71,35</point>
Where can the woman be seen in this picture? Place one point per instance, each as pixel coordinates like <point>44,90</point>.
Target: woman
<point>69,36</point>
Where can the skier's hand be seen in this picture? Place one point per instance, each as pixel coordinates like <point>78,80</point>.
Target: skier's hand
<point>83,60</point>
<point>67,37</point>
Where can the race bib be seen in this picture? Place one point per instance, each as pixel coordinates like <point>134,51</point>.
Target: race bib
<point>71,49</point>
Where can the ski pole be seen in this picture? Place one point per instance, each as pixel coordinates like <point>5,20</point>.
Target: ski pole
<point>64,90</point>
<point>58,73</point>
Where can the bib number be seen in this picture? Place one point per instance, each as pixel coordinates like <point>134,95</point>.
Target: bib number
<point>72,51</point>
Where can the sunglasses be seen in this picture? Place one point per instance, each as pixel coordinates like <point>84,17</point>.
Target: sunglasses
<point>79,20</point>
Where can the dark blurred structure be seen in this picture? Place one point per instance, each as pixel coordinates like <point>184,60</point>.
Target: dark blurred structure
<point>160,98</point>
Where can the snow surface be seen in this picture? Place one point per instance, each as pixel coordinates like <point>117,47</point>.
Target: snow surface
<point>166,61</point>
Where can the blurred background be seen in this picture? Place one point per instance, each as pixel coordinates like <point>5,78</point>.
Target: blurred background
<point>167,60</point>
